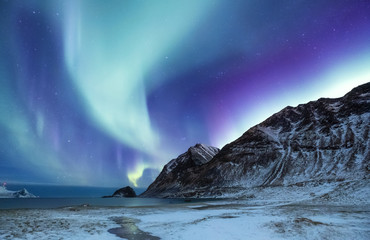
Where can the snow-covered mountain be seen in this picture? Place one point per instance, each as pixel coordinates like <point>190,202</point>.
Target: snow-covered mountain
<point>177,169</point>
<point>5,193</point>
<point>322,141</point>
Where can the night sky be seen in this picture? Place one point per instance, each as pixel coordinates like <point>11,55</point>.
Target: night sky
<point>104,93</point>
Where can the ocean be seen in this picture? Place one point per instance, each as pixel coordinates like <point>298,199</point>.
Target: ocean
<point>50,197</point>
<point>58,191</point>
<point>50,203</point>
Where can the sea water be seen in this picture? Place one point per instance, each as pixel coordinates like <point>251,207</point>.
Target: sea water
<point>71,196</point>
<point>58,191</point>
<point>49,203</point>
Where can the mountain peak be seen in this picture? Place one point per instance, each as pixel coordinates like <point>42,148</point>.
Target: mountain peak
<point>359,90</point>
<point>180,168</point>
<point>201,154</point>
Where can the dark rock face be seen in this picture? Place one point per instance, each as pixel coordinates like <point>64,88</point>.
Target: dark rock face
<point>124,192</point>
<point>323,140</point>
<point>180,170</point>
<point>23,194</point>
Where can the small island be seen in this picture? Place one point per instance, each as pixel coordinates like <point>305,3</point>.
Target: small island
<point>125,192</point>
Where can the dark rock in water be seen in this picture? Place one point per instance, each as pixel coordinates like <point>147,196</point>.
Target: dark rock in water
<point>179,169</point>
<point>322,141</point>
<point>124,192</point>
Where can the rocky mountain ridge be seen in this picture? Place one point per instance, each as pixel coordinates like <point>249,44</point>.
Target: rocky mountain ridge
<point>180,167</point>
<point>322,141</point>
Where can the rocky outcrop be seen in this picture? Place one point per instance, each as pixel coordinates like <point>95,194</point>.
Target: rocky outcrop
<point>127,192</point>
<point>177,171</point>
<point>5,193</point>
<point>323,141</point>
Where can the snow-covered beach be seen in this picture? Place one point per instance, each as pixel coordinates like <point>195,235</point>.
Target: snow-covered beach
<point>221,220</point>
<point>239,221</point>
<point>280,214</point>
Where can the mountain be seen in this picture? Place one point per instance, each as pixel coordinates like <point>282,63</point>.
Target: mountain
<point>5,193</point>
<point>175,173</point>
<point>323,141</point>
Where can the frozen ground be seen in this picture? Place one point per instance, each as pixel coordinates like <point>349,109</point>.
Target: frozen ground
<point>212,220</point>
<point>68,223</point>
<point>296,212</point>
<point>238,221</point>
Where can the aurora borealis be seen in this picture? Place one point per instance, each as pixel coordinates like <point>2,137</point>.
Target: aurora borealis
<point>104,93</point>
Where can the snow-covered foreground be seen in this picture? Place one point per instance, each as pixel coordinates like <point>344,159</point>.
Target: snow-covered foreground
<point>209,220</point>
<point>237,221</point>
